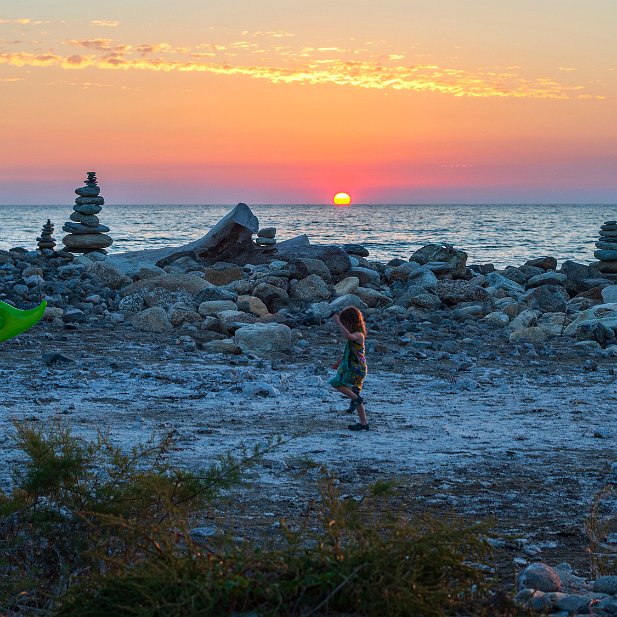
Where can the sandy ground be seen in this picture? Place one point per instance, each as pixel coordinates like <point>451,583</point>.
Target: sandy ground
<point>526,439</point>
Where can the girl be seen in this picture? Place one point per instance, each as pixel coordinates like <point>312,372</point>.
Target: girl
<point>352,367</point>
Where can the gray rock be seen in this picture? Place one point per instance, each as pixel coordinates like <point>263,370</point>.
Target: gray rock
<point>348,285</point>
<point>318,312</point>
<point>453,292</point>
<point>260,388</point>
<point>272,296</point>
<point>524,319</point>
<point>531,334</point>
<point>133,303</point>
<point>107,275</point>
<point>311,289</point>
<point>88,191</point>
<point>609,294</point>
<point>86,219</point>
<point>356,249</point>
<point>372,297</point>
<point>78,228</point>
<point>540,577</point>
<point>548,278</point>
<point>606,255</point>
<point>606,584</point>
<point>494,279</point>
<point>267,232</point>
<point>263,338</point>
<point>546,263</point>
<point>426,300</point>
<point>444,253</point>
<point>301,267</point>
<point>215,293</point>
<point>189,283</point>
<point>548,298</point>
<point>223,274</point>
<point>343,302</point>
<point>55,357</point>
<point>334,257</point>
<point>265,241</point>
<point>365,275</point>
<point>497,319</point>
<point>595,331</point>
<point>83,242</point>
<point>213,307</point>
<point>152,320</point>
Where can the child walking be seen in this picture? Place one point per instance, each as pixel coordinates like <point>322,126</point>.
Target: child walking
<point>352,367</point>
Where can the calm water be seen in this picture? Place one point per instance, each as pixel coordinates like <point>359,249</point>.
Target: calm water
<point>501,234</point>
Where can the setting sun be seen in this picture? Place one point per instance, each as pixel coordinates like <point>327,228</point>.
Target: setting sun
<point>341,199</point>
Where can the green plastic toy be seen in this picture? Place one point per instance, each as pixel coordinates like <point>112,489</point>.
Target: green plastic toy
<point>14,321</point>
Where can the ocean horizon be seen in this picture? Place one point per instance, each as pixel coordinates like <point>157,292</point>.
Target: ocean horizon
<point>502,234</point>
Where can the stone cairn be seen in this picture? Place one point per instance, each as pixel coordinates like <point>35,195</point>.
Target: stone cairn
<point>607,248</point>
<point>86,234</point>
<point>266,237</point>
<point>46,241</point>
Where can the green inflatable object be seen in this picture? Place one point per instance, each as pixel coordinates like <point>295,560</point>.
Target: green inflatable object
<point>14,321</point>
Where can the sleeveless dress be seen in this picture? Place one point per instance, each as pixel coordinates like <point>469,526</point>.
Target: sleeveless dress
<point>352,370</point>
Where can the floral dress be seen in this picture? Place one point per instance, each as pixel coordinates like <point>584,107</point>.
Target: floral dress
<point>352,370</point>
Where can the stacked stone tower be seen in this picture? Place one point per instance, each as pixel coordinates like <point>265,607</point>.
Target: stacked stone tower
<point>86,233</point>
<point>607,248</point>
<point>46,241</point>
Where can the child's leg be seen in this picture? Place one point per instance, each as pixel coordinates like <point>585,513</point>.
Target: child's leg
<point>362,414</point>
<point>347,392</point>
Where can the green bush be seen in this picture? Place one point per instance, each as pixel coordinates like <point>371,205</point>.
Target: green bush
<point>91,531</point>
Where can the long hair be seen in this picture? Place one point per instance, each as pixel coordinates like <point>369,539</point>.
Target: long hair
<point>352,319</point>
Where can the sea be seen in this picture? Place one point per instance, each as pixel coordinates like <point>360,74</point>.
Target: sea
<point>490,233</point>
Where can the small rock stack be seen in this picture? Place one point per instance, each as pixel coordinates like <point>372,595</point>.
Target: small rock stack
<point>86,234</point>
<point>46,241</point>
<point>607,248</point>
<point>266,237</point>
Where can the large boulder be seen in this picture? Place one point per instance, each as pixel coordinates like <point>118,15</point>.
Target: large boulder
<point>263,338</point>
<point>532,334</point>
<point>190,283</point>
<point>498,281</point>
<point>334,257</point>
<point>253,305</point>
<point>547,278</point>
<point>547,298</point>
<point>372,297</point>
<point>272,296</point>
<point>595,331</point>
<point>609,294</point>
<point>541,577</point>
<point>442,252</point>
<point>452,292</point>
<point>301,267</point>
<point>223,274</point>
<point>546,263</point>
<point>152,320</point>
<point>581,278</point>
<point>347,300</point>
<point>365,275</point>
<point>348,285</point>
<point>310,289</point>
<point>107,275</point>
<point>606,314</point>
<point>230,237</point>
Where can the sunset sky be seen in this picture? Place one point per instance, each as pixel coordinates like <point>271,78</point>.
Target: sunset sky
<point>290,101</point>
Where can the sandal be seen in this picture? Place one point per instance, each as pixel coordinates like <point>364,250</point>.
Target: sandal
<point>353,405</point>
<point>358,427</point>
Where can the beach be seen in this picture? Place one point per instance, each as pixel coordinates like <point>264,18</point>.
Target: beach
<point>490,392</point>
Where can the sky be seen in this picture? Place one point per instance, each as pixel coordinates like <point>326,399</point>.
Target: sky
<point>291,101</point>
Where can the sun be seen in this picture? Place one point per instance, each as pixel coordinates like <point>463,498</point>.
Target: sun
<point>341,199</point>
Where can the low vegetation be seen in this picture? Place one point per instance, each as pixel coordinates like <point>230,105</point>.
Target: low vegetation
<point>88,530</point>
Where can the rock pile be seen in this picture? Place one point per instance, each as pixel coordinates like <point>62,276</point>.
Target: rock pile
<point>46,241</point>
<point>266,237</point>
<point>607,248</point>
<point>85,233</point>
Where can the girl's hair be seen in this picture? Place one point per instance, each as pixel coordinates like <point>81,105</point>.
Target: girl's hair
<point>353,320</point>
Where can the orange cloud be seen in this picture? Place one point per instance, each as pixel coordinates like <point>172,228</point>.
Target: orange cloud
<point>105,23</point>
<point>365,74</point>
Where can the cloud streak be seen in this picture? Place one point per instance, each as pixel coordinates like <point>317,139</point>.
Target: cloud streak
<point>388,74</point>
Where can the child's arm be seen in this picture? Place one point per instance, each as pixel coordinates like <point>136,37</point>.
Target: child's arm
<point>357,337</point>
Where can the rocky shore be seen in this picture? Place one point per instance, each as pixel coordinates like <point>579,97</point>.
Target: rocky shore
<point>490,392</point>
